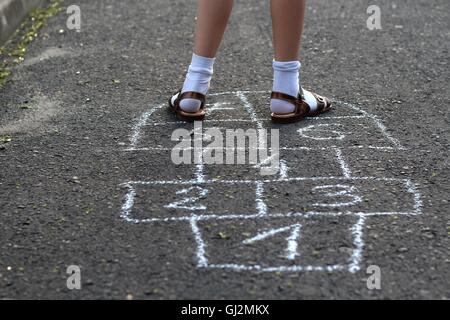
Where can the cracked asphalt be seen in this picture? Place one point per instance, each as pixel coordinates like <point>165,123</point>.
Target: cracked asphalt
<point>72,107</point>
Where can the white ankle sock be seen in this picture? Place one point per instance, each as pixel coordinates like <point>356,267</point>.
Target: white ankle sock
<point>198,79</point>
<point>286,80</point>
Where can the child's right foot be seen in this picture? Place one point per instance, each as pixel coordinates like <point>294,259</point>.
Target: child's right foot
<point>301,107</point>
<point>192,99</point>
<point>175,106</point>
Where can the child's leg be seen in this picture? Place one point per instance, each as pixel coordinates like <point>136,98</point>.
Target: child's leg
<point>212,18</point>
<point>287,24</point>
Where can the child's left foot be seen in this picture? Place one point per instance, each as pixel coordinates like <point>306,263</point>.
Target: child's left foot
<point>290,102</point>
<point>307,104</point>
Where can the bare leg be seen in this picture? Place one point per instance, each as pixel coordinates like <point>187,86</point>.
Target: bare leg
<point>212,19</point>
<point>287,23</point>
<point>287,26</point>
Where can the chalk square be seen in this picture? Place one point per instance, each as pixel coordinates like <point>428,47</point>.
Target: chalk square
<point>161,201</point>
<point>334,133</point>
<point>339,195</point>
<point>315,243</point>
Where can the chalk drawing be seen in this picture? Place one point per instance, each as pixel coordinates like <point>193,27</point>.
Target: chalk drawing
<point>334,196</point>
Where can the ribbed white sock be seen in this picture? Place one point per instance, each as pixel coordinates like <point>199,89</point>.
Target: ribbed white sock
<point>286,80</point>
<point>198,79</point>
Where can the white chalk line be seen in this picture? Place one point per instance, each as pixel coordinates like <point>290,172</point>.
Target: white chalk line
<point>218,106</point>
<point>292,248</point>
<point>260,204</point>
<point>128,205</point>
<point>303,132</point>
<point>379,148</point>
<point>377,121</point>
<point>347,173</point>
<point>290,179</point>
<point>199,172</point>
<point>284,169</point>
<point>137,128</point>
<point>309,214</point>
<point>266,234</point>
<point>358,243</point>
<point>291,252</point>
<point>250,110</point>
<point>202,261</point>
<point>258,268</point>
<point>418,203</point>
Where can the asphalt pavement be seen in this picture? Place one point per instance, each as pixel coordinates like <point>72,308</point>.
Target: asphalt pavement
<point>87,177</point>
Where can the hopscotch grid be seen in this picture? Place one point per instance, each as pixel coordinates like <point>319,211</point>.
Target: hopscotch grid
<point>357,230</point>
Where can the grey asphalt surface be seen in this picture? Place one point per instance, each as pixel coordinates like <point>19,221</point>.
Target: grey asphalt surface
<point>71,107</point>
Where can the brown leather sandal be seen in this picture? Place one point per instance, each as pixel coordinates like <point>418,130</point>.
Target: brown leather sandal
<point>302,109</point>
<point>184,115</point>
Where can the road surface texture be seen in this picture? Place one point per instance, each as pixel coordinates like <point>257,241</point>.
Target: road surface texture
<point>87,177</point>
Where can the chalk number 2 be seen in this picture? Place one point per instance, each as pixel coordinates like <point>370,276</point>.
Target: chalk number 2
<point>190,200</point>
